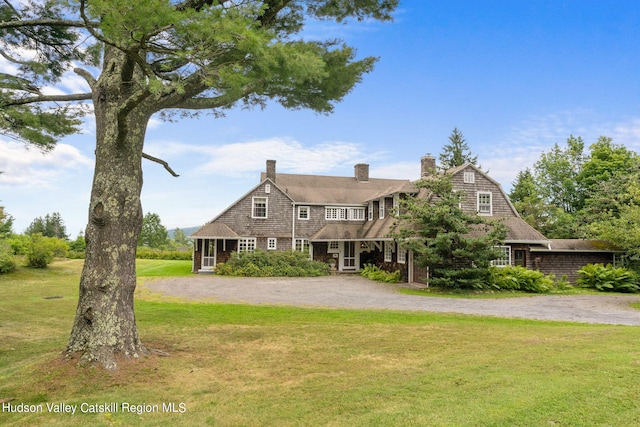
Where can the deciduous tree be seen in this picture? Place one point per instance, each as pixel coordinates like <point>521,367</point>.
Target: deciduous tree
<point>6,222</point>
<point>164,57</point>
<point>153,233</point>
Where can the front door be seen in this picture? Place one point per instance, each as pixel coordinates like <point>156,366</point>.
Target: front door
<point>208,254</point>
<point>349,256</point>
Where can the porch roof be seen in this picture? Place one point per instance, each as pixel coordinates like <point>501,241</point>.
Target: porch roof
<point>370,230</point>
<point>579,245</point>
<point>215,230</point>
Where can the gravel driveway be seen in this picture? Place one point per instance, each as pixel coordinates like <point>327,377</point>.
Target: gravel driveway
<point>353,291</point>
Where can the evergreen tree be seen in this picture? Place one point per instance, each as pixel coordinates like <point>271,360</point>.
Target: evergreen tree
<point>49,226</point>
<point>456,246</point>
<point>456,152</point>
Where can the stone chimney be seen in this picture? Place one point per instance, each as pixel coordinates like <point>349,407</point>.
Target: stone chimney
<point>361,171</point>
<point>271,170</point>
<point>427,165</point>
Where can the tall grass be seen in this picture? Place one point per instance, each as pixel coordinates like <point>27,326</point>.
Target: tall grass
<point>243,365</point>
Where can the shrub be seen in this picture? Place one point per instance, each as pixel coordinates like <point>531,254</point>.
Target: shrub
<point>149,253</point>
<point>272,264</point>
<point>19,243</point>
<point>607,278</point>
<point>7,262</point>
<point>373,272</point>
<point>518,278</point>
<point>42,250</point>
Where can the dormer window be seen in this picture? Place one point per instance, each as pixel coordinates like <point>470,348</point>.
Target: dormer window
<point>381,209</point>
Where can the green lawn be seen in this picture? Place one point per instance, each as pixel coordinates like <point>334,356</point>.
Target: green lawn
<point>242,365</point>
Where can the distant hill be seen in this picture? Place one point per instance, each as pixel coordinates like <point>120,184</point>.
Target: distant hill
<point>187,231</point>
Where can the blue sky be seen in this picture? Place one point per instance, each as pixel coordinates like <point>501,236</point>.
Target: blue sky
<point>514,76</point>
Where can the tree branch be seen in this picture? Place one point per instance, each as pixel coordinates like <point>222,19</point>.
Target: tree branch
<point>162,162</point>
<point>47,22</point>
<point>47,98</point>
<point>91,81</point>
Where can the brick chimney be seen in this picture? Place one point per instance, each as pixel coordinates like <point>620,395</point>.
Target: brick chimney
<point>361,171</point>
<point>271,170</point>
<point>427,165</point>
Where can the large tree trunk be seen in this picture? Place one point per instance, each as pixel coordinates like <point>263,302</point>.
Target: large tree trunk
<point>105,325</point>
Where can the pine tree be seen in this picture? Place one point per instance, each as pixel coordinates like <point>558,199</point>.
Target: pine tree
<point>142,58</point>
<point>456,152</point>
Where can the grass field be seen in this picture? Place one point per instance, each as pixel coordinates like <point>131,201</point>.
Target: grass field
<point>242,365</point>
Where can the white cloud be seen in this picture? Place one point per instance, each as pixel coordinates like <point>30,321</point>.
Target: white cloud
<point>246,158</point>
<point>32,168</point>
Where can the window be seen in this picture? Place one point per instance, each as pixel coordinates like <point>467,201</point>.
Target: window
<point>342,214</point>
<point>388,251</point>
<point>303,212</point>
<point>267,188</point>
<point>356,214</point>
<point>272,243</point>
<point>333,247</point>
<point>484,203</point>
<point>370,213</point>
<point>520,257</point>
<point>505,257</point>
<point>396,205</point>
<point>402,255</point>
<point>381,210</point>
<point>469,178</point>
<point>247,244</point>
<point>302,245</point>
<point>259,207</point>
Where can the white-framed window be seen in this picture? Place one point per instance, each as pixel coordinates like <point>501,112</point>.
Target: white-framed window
<point>505,257</point>
<point>267,188</point>
<point>259,209</point>
<point>402,255</point>
<point>356,214</point>
<point>469,177</point>
<point>344,214</point>
<point>370,213</point>
<point>381,209</point>
<point>246,244</point>
<point>302,245</point>
<point>333,247</point>
<point>272,243</point>
<point>388,251</point>
<point>303,212</point>
<point>485,203</point>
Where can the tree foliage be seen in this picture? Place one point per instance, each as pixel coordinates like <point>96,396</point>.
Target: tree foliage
<point>578,194</point>
<point>556,173</point>
<point>6,222</point>
<point>153,233</point>
<point>51,225</point>
<point>456,152</point>
<point>456,246</point>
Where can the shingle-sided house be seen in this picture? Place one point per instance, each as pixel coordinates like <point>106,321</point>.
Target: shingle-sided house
<point>346,221</point>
